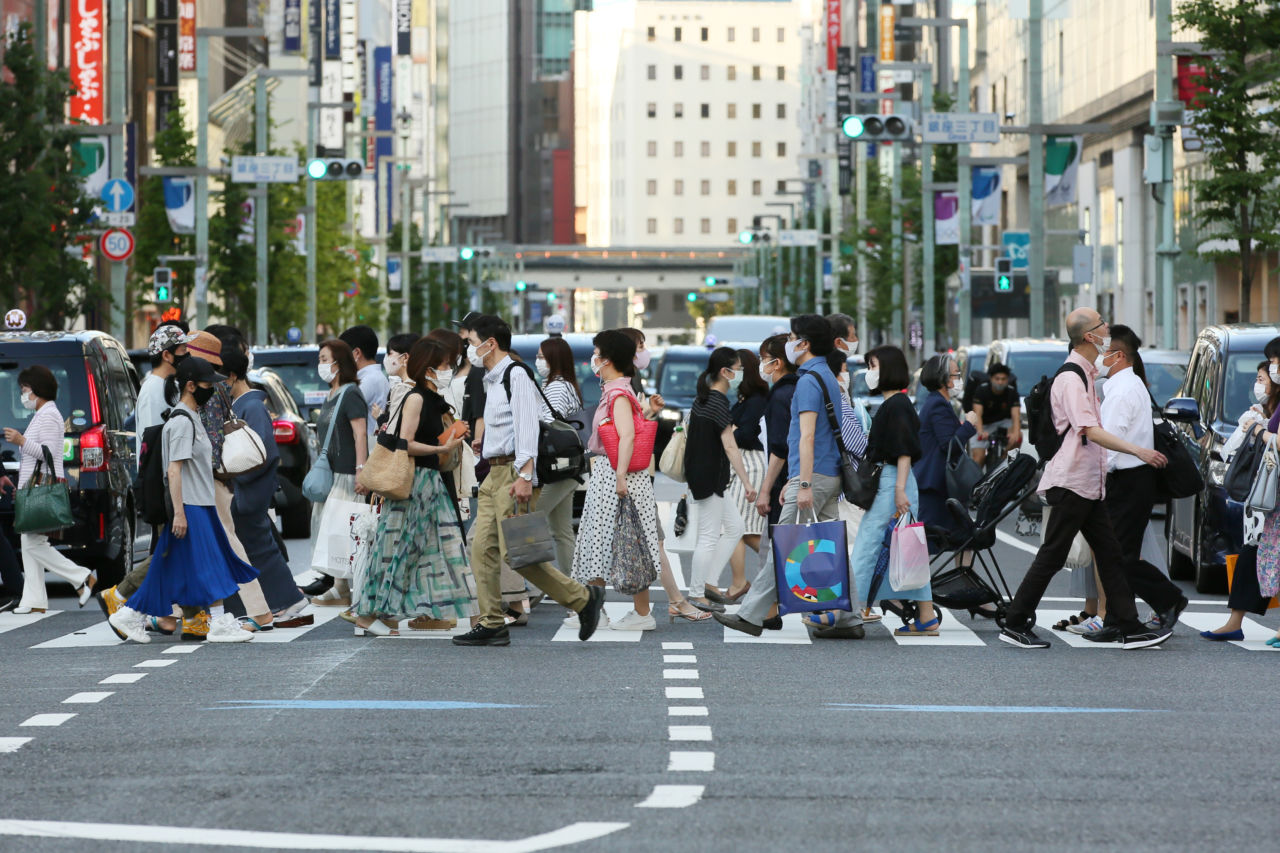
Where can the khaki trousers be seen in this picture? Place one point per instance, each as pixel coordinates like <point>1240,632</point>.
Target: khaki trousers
<point>488,550</point>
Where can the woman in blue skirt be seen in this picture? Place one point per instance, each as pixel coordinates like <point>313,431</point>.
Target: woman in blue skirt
<point>894,441</point>
<point>193,563</point>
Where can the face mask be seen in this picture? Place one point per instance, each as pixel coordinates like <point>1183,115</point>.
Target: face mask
<point>202,395</point>
<point>474,356</point>
<point>544,369</point>
<point>1104,345</point>
<point>28,401</point>
<point>596,365</point>
<point>1259,393</point>
<point>443,377</point>
<point>250,354</point>
<point>998,387</point>
<point>843,381</point>
<point>957,386</point>
<point>178,359</point>
<point>852,347</point>
<point>642,360</point>
<point>793,351</point>
<point>873,378</point>
<point>1099,363</point>
<point>392,367</point>
<point>1274,373</point>
<point>734,382</point>
<point>325,372</point>
<point>764,369</point>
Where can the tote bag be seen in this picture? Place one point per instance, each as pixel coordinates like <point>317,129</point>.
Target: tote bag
<point>632,567</point>
<point>389,471</point>
<point>908,554</point>
<point>646,432</point>
<point>811,563</point>
<point>528,539</point>
<point>319,480</point>
<point>672,462</point>
<point>43,505</point>
<point>337,544</point>
<point>962,472</point>
<point>1244,464</point>
<point>1262,495</point>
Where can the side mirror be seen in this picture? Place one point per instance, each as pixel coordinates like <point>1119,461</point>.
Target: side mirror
<point>1183,410</point>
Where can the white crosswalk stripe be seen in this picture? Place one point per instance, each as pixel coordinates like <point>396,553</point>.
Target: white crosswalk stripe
<point>950,633</point>
<point>10,621</point>
<point>1255,635</point>
<point>616,610</point>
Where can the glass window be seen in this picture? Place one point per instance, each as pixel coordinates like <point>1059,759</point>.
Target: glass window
<point>782,34</point>
<point>679,72</point>
<point>732,110</point>
<point>733,149</point>
<point>782,110</point>
<point>755,111</point>
<point>651,187</point>
<point>679,110</point>
<point>652,109</point>
<point>755,34</point>
<point>705,225</point>
<point>652,33</point>
<point>706,33</point>
<point>733,72</point>
<point>706,72</point>
<point>706,111</point>
<point>678,148</point>
<point>733,187</point>
<point>755,149</point>
<point>781,188</point>
<point>677,34</point>
<point>651,225</point>
<point>755,188</point>
<point>651,148</point>
<point>706,187</point>
<point>782,72</point>
<point>678,225</point>
<point>733,225</point>
<point>731,34</point>
<point>782,149</point>
<point>755,72</point>
<point>679,187</point>
<point>705,149</point>
<point>652,72</point>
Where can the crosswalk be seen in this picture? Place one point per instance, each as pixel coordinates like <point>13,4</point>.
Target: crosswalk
<point>81,629</point>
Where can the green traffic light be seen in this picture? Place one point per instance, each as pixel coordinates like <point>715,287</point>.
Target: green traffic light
<point>520,286</point>
<point>852,126</point>
<point>317,169</point>
<point>745,237</point>
<point>466,253</point>
<point>162,294</point>
<point>1004,283</point>
<point>710,281</point>
<point>551,297</point>
<point>692,297</point>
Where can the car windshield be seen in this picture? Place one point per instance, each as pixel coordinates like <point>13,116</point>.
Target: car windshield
<point>1165,379</point>
<point>1237,389</point>
<point>1029,365</point>
<point>680,378</point>
<point>304,384</point>
<point>73,394</point>
<point>750,329</point>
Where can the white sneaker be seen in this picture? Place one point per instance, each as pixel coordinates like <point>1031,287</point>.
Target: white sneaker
<point>571,621</point>
<point>633,621</point>
<point>1088,626</point>
<point>129,625</point>
<point>227,629</point>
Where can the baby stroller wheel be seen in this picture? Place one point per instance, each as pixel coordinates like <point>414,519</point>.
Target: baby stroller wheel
<point>908,611</point>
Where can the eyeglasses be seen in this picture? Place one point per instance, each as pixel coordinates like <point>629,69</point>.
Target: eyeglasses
<point>1101,323</point>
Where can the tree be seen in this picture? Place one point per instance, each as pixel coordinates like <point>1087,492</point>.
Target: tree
<point>884,277</point>
<point>42,202</point>
<point>173,147</point>
<point>1237,200</point>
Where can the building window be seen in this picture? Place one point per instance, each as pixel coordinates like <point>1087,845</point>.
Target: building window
<point>706,111</point>
<point>706,187</point>
<point>781,188</point>
<point>679,72</point>
<point>705,149</point>
<point>1119,242</point>
<point>782,110</point>
<point>706,33</point>
<point>653,35</point>
<point>782,149</point>
<point>677,34</point>
<point>755,188</point>
<point>782,34</point>
<point>652,148</point>
<point>652,109</point>
<point>755,149</point>
<point>733,72</point>
<point>706,226</point>
<point>651,225</point>
<point>732,111</point>
<point>651,187</point>
<point>755,72</point>
<point>755,34</point>
<point>755,111</point>
<point>731,34</point>
<point>782,72</point>
<point>733,225</point>
<point>678,149</point>
<point>733,149</point>
<point>706,72</point>
<point>653,72</point>
<point>679,110</point>
<point>733,187</point>
<point>679,187</point>
<point>677,225</point>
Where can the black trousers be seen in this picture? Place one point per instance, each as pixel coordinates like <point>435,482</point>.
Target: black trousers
<point>1074,514</point>
<point>1131,495</point>
<point>10,570</point>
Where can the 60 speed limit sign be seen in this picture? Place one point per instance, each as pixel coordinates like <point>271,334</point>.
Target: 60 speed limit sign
<point>116,244</point>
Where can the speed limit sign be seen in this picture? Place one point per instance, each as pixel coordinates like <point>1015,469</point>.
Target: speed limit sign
<point>116,244</point>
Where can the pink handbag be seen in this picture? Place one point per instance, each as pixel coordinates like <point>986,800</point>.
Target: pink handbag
<point>646,434</point>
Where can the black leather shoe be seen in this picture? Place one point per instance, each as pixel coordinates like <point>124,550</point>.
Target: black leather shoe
<point>589,615</point>
<point>1111,634</point>
<point>482,636</point>
<point>773,624</point>
<point>840,632</point>
<point>737,623</point>
<point>1169,618</point>
<point>319,586</point>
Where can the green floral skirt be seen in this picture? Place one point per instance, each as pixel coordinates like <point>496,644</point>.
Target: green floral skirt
<point>416,563</point>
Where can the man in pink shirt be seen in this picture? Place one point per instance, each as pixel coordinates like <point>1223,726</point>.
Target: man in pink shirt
<point>1074,485</point>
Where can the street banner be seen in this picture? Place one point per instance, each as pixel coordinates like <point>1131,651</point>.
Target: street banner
<point>247,233</point>
<point>888,49</point>
<point>88,61</point>
<point>1061,165</point>
<point>331,118</point>
<point>383,81</point>
<point>315,43</point>
<point>332,30</point>
<point>186,35</point>
<point>180,204</point>
<point>404,27</point>
<point>986,195</point>
<point>297,229</point>
<point>421,32</point>
<point>833,31</point>
<point>293,26</point>
<point>946,218</point>
<point>92,163</point>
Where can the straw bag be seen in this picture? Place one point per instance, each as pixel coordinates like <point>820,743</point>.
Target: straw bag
<point>646,431</point>
<point>389,470</point>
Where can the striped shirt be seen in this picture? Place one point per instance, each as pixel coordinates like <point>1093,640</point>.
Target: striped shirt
<point>562,396</point>
<point>45,430</point>
<point>855,438</point>
<point>511,426</point>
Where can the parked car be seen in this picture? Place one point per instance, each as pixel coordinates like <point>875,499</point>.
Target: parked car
<point>749,328</point>
<point>296,367</point>
<point>1166,370</point>
<point>97,396</point>
<point>298,448</point>
<point>1202,530</point>
<point>677,379</point>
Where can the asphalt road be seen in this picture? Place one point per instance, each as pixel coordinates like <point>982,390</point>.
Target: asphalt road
<point>681,738</point>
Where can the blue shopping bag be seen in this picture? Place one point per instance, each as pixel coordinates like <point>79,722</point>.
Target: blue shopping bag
<point>811,564</point>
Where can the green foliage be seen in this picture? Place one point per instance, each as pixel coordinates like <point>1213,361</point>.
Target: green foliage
<point>174,146</point>
<point>884,272</point>
<point>42,204</point>
<point>1238,199</point>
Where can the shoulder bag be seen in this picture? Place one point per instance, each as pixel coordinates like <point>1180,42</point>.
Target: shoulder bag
<point>962,472</point>
<point>859,478</point>
<point>1244,464</point>
<point>242,449</point>
<point>389,469</point>
<point>646,431</point>
<point>43,505</point>
<point>319,480</point>
<point>1262,496</point>
<point>672,461</point>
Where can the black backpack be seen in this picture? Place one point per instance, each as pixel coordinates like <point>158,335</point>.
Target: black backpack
<point>561,454</point>
<point>1044,435</point>
<point>152,490</point>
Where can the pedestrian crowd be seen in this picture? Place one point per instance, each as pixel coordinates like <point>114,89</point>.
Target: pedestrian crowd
<point>444,487</point>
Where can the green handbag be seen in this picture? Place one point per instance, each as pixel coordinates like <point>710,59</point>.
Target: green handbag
<point>43,505</point>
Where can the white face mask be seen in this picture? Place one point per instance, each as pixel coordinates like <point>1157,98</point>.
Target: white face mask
<point>544,369</point>
<point>596,365</point>
<point>853,347</point>
<point>1260,391</point>
<point>392,365</point>
<point>873,378</point>
<point>843,381</point>
<point>1274,373</point>
<point>793,351</point>
<point>1104,344</point>
<point>642,360</point>
<point>957,386</point>
<point>764,369</point>
<point>733,379</point>
<point>326,372</point>
<point>474,356</point>
<point>28,400</point>
<point>443,377</point>
<point>1100,363</point>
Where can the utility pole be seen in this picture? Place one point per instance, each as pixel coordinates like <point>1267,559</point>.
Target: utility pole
<point>860,189</point>
<point>1168,248</point>
<point>117,35</point>
<point>964,176</point>
<point>928,335</point>
<point>1035,164</point>
<point>200,312</point>
<point>313,223</point>
<point>900,310</point>
<point>260,209</point>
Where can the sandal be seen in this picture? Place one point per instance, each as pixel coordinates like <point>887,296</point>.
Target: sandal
<point>868,615</point>
<point>920,629</point>
<point>820,619</point>
<point>675,612</point>
<point>1073,620</point>
<point>153,624</point>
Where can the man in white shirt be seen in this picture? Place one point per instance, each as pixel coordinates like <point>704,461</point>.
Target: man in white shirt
<point>374,385</point>
<point>1132,485</point>
<point>167,347</point>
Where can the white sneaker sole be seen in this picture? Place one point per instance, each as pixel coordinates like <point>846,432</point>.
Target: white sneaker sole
<point>1146,644</point>
<point>634,626</point>
<point>1018,645</point>
<point>222,638</point>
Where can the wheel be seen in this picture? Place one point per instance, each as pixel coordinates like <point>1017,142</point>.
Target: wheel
<point>111,572</point>
<point>1181,567</point>
<point>295,521</point>
<point>1209,578</point>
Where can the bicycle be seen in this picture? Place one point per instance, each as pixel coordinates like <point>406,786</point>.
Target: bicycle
<point>997,441</point>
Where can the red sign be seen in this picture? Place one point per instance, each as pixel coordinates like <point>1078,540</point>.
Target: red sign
<point>1190,80</point>
<point>832,23</point>
<point>88,61</point>
<point>186,35</point>
<point>116,244</point>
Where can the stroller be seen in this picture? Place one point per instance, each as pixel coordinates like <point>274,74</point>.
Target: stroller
<point>995,498</point>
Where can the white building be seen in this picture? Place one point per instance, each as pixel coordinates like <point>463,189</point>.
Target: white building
<point>686,117</point>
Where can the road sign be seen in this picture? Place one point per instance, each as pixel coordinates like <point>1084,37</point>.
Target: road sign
<point>393,274</point>
<point>439,254</point>
<point>501,287</point>
<point>267,170</point>
<point>116,244</point>
<point>716,297</point>
<point>117,195</point>
<point>798,237</point>
<point>1017,246</point>
<point>960,128</point>
<point>119,220</point>
<point>745,281</point>
<point>1081,264</point>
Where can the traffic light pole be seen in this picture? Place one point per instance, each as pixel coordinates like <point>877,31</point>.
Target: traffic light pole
<point>1035,164</point>
<point>313,222</point>
<point>895,215</point>
<point>1167,250</point>
<point>261,205</point>
<point>117,34</point>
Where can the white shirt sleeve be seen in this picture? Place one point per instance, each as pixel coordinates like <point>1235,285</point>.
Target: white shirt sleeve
<point>1120,414</point>
<point>526,403</point>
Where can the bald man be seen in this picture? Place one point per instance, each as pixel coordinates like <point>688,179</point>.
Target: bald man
<point>1074,483</point>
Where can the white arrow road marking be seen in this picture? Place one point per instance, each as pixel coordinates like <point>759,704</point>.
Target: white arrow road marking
<point>672,797</point>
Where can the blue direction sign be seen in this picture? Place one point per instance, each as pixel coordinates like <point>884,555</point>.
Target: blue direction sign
<point>117,194</point>
<point>1017,245</point>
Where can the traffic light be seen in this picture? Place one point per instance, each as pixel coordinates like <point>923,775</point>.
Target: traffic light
<point>877,128</point>
<point>466,253</point>
<point>1004,275</point>
<point>693,296</point>
<point>162,277</point>
<point>753,235</point>
<point>712,281</point>
<point>521,286</point>
<point>334,169</point>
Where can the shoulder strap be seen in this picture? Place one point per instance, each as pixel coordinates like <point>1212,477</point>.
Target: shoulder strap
<point>506,384</point>
<point>613,398</point>
<point>831,413</point>
<point>333,419</point>
<point>1074,368</point>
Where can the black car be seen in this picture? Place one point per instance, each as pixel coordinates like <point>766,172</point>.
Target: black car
<point>677,378</point>
<point>297,444</point>
<point>96,395</point>
<point>1218,387</point>
<point>296,367</point>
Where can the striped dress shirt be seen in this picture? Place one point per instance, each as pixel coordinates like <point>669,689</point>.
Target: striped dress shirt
<point>45,430</point>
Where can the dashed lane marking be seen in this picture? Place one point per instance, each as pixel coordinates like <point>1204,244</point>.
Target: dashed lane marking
<point>123,678</point>
<point>679,658</point>
<point>684,693</point>
<point>154,663</point>
<point>182,650</point>
<point>680,674</point>
<point>691,762</point>
<point>689,733</point>
<point>672,797</point>
<point>687,711</point>
<point>674,646</point>
<point>88,698</point>
<point>13,744</point>
<point>46,720</point>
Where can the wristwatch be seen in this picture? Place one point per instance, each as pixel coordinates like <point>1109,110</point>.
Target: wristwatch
<point>805,484</point>
<point>528,478</point>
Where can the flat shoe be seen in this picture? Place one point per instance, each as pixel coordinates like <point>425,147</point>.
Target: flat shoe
<point>22,611</point>
<point>1224,637</point>
<point>841,632</point>
<point>85,592</point>
<point>296,621</point>
<point>1274,642</point>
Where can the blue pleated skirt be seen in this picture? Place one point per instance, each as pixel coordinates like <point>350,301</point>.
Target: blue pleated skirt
<point>870,540</point>
<point>195,571</point>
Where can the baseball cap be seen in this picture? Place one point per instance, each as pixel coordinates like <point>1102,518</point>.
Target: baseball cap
<point>205,345</point>
<point>167,338</point>
<point>467,321</point>
<point>197,370</point>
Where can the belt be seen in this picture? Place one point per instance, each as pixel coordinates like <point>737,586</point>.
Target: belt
<point>501,460</point>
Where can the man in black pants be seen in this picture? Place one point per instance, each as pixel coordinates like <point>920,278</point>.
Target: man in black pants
<point>1131,483</point>
<point>1073,483</point>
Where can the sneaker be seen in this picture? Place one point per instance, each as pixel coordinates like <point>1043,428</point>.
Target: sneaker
<point>129,625</point>
<point>482,636</point>
<point>426,623</point>
<point>1169,618</point>
<point>196,629</point>
<point>110,601</point>
<point>1146,639</point>
<point>633,621</point>
<point>1022,638</point>
<point>589,616</point>
<point>571,620</point>
<point>1089,626</point>
<point>332,598</point>
<point>227,629</point>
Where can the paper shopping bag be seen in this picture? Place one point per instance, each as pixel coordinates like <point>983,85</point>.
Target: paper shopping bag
<point>811,563</point>
<point>908,554</point>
